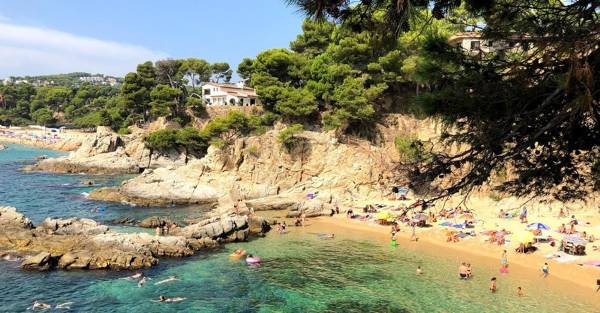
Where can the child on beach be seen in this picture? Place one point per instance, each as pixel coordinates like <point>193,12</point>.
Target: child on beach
<point>419,271</point>
<point>519,291</point>
<point>493,286</point>
<point>394,243</point>
<point>545,270</point>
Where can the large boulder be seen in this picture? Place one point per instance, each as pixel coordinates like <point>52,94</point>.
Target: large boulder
<point>71,226</point>
<point>10,217</point>
<point>155,221</point>
<point>223,228</point>
<point>42,261</point>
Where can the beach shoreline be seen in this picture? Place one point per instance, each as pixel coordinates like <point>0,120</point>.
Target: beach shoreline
<point>64,141</point>
<point>572,279</point>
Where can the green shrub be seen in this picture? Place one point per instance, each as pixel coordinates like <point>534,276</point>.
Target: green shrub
<point>411,149</point>
<point>288,137</point>
<point>253,150</point>
<point>162,139</point>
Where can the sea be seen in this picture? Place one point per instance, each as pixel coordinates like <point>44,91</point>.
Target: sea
<point>301,271</point>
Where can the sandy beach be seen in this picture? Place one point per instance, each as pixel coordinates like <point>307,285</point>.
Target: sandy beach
<point>571,278</point>
<point>67,140</point>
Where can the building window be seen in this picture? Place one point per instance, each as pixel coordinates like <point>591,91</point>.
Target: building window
<point>207,91</point>
<point>252,101</point>
<point>475,45</point>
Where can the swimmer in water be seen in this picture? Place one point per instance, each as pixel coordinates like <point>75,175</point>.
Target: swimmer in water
<point>419,270</point>
<point>519,291</point>
<point>39,305</point>
<point>165,299</point>
<point>134,276</point>
<point>142,281</point>
<point>171,278</point>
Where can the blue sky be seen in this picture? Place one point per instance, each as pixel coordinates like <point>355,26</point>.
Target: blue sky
<point>112,36</point>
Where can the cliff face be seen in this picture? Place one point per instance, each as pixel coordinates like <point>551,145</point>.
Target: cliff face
<point>259,166</point>
<point>109,153</point>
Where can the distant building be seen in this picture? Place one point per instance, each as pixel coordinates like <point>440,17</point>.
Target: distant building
<point>99,80</point>
<point>229,94</point>
<point>473,43</point>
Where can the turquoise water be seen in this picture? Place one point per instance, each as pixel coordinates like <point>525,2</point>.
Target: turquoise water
<point>301,273</point>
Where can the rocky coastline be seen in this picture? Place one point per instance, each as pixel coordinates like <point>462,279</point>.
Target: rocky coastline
<point>77,243</point>
<point>108,153</point>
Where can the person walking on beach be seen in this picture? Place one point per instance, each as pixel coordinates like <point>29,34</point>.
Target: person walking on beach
<point>523,216</point>
<point>413,236</point>
<point>545,270</point>
<point>493,286</point>
<point>504,263</point>
<point>394,243</point>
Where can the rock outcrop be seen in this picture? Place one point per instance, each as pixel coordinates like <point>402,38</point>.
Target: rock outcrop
<point>109,153</point>
<point>76,243</point>
<point>155,221</point>
<point>259,167</point>
<point>2,147</point>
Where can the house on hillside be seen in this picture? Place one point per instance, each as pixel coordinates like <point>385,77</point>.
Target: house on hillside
<point>229,94</point>
<point>473,43</point>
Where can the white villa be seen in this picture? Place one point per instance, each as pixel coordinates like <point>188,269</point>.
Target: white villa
<point>229,94</point>
<point>474,44</point>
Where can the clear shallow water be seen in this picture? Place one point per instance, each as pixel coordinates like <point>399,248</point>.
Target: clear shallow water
<point>301,274</point>
<point>41,195</point>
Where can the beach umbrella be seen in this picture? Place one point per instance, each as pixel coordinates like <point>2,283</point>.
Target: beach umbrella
<point>385,215</point>
<point>524,237</point>
<point>538,226</point>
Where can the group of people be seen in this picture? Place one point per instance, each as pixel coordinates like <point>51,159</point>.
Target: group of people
<point>38,305</point>
<point>142,279</point>
<point>281,228</point>
<point>165,230</point>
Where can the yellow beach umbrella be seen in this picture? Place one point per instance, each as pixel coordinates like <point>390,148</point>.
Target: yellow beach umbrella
<point>384,215</point>
<point>524,237</point>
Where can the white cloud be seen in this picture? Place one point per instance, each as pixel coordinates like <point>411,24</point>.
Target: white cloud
<point>27,50</point>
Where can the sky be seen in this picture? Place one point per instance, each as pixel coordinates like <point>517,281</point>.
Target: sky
<point>112,36</point>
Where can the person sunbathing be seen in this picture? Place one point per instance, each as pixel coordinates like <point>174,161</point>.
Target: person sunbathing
<point>562,229</point>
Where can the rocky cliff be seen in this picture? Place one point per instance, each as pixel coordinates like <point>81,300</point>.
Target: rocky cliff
<point>260,169</point>
<point>76,243</point>
<point>106,152</point>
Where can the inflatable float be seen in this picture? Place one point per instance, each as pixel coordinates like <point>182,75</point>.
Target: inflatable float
<point>253,260</point>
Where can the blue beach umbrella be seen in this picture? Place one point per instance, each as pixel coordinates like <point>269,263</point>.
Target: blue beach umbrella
<point>538,226</point>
